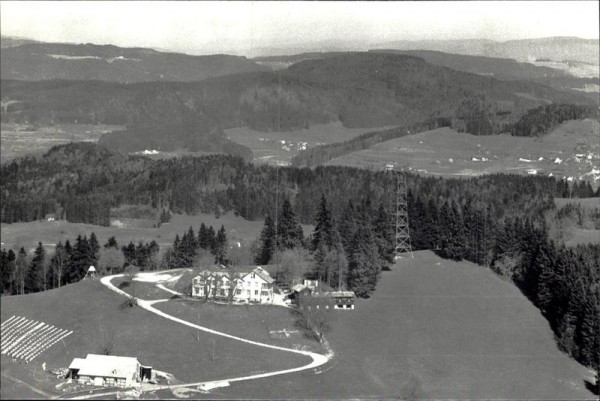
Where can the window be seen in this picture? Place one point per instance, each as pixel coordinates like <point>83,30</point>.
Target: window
<point>238,292</point>
<point>255,292</point>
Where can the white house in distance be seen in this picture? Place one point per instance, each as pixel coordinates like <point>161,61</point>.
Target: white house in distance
<point>108,370</point>
<point>254,285</point>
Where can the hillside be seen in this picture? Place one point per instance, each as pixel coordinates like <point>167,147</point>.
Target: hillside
<point>360,90</point>
<point>43,61</point>
<point>436,329</point>
<point>569,151</point>
<point>506,69</point>
<point>567,53</point>
<point>99,320</point>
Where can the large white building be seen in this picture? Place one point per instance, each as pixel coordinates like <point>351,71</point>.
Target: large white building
<point>108,370</point>
<point>254,285</point>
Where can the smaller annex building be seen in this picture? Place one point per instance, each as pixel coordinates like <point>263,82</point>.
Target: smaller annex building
<point>108,370</point>
<point>246,285</point>
<point>313,295</point>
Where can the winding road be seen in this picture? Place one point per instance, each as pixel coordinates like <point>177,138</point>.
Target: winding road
<point>317,359</point>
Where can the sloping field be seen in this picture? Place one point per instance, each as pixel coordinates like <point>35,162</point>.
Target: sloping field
<point>280,147</point>
<point>98,320</point>
<point>436,329</point>
<point>19,140</point>
<point>447,152</point>
<point>50,232</point>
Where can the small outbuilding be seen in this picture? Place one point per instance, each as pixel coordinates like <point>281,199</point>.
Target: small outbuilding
<point>91,273</point>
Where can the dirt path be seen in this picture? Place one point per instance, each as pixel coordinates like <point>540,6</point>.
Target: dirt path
<point>317,359</point>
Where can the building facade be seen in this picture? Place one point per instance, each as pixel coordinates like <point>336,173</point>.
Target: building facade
<point>108,370</point>
<point>255,285</point>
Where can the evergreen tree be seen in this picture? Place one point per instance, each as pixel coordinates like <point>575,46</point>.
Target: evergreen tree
<point>364,266</point>
<point>94,249</point>
<point>347,227</point>
<point>383,235</point>
<point>220,249</point>
<point>289,231</point>
<point>35,279</point>
<point>204,239</point>
<point>81,259</point>
<point>7,265</point>
<point>111,243</point>
<point>267,243</point>
<point>325,231</point>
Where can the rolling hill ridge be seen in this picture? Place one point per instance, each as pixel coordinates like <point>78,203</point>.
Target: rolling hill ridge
<point>362,90</point>
<point>42,61</point>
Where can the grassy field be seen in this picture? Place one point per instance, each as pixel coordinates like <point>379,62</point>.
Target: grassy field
<point>446,152</point>
<point>588,203</point>
<point>586,234</point>
<point>18,140</point>
<point>267,147</point>
<point>583,236</point>
<point>436,329</point>
<point>50,232</point>
<point>253,322</point>
<point>97,317</point>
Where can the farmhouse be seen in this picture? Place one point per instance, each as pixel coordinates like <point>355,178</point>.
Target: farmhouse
<point>108,370</point>
<point>310,296</point>
<point>240,286</point>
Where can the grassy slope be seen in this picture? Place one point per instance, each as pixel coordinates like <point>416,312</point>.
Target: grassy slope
<point>437,329</point>
<point>581,235</point>
<point>94,313</point>
<point>20,140</point>
<point>266,147</point>
<point>429,152</point>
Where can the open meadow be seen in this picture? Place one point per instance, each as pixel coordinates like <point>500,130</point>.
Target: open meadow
<point>586,231</point>
<point>280,147</point>
<point>18,139</point>
<point>436,329</point>
<point>126,230</point>
<point>571,150</point>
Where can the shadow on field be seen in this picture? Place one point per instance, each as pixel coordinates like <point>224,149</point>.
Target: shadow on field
<point>592,387</point>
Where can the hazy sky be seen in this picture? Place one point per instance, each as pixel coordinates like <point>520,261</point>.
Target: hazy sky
<point>240,27</point>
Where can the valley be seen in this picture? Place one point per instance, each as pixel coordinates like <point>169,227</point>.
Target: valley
<point>279,148</point>
<point>22,139</point>
<point>569,152</point>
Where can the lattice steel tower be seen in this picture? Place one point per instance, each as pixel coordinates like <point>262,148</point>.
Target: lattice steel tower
<point>403,244</point>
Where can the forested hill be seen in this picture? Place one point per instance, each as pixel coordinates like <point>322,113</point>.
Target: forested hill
<point>358,89</point>
<point>79,174</point>
<point>43,61</point>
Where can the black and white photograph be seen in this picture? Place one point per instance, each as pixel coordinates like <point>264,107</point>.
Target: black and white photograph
<point>300,200</point>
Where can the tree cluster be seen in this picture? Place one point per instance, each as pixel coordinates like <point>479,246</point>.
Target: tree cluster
<point>188,248</point>
<point>22,274</point>
<point>543,119</point>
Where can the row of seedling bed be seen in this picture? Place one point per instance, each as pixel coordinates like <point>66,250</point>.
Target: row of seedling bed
<point>25,339</point>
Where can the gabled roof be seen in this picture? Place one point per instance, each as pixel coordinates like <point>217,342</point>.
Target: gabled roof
<point>264,275</point>
<point>298,287</point>
<point>239,275</point>
<point>106,366</point>
<point>77,363</point>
